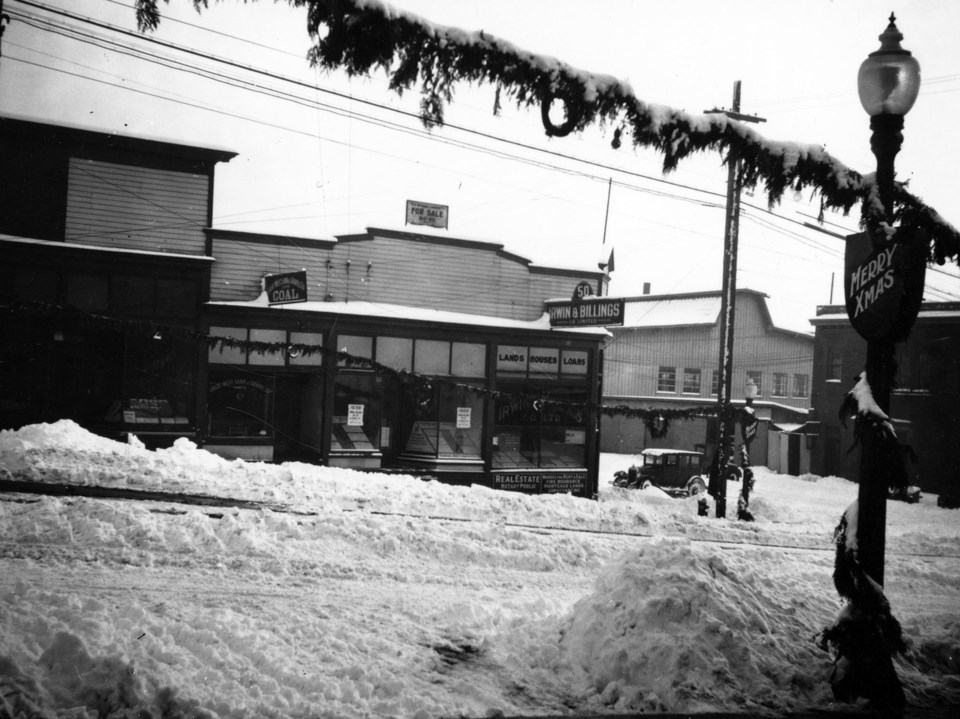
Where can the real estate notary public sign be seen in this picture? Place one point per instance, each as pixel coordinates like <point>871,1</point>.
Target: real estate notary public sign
<point>883,283</point>
<point>423,213</point>
<point>286,287</point>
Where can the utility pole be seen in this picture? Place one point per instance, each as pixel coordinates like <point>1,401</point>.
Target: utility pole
<point>728,296</point>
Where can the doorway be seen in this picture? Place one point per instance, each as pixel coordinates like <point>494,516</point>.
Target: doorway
<point>298,418</point>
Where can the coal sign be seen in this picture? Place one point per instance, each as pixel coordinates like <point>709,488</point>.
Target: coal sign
<point>285,288</point>
<point>883,284</point>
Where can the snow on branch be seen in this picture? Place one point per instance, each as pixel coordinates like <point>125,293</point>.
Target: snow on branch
<point>360,36</point>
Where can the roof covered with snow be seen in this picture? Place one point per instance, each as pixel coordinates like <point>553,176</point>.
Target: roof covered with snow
<point>416,314</point>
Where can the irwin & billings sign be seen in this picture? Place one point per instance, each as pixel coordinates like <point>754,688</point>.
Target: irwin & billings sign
<point>883,284</point>
<point>588,312</point>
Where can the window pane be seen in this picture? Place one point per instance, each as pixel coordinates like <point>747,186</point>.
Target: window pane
<point>800,382</point>
<point>239,405</point>
<point>715,382</point>
<point>221,354</point>
<point>515,433</point>
<point>132,295</point>
<point>468,360</point>
<point>87,292</point>
<point>543,363</point>
<point>756,377</point>
<point>528,434</point>
<point>667,379</point>
<point>269,357</point>
<point>574,363</point>
<point>395,352</point>
<point>511,359</point>
<point>691,381</point>
<point>305,359</point>
<point>431,357</point>
<point>446,422</point>
<point>355,346</point>
<point>780,384</point>
<point>177,298</point>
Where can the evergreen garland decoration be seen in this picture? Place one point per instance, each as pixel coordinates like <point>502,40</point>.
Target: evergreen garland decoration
<point>361,36</point>
<point>68,318</point>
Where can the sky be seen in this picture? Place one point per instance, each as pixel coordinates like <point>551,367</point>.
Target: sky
<point>348,594</point>
<point>328,155</point>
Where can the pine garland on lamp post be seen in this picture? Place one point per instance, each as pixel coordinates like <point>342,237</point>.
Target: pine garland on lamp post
<point>748,431</point>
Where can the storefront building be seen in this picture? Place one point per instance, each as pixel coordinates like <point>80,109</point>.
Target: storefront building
<point>387,350</point>
<point>464,397</point>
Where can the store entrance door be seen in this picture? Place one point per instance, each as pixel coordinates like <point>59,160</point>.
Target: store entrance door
<point>297,418</point>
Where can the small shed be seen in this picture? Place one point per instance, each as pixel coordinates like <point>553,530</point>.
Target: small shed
<point>789,446</point>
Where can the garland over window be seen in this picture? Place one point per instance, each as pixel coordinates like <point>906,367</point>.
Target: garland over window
<point>360,36</point>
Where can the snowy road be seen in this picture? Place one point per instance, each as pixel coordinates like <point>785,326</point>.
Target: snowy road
<point>388,596</point>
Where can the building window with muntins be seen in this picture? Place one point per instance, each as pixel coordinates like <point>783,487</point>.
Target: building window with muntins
<point>834,364</point>
<point>779,384</point>
<point>667,379</point>
<point>691,381</point>
<point>801,385</point>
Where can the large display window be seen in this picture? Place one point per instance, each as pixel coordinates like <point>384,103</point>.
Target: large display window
<point>355,424</point>
<point>158,385</point>
<point>539,420</point>
<point>442,420</point>
<point>239,405</point>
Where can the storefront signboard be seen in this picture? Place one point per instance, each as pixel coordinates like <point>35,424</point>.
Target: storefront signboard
<point>423,213</point>
<point>589,312</point>
<point>511,358</point>
<point>286,287</point>
<point>542,482</point>
<point>544,362</point>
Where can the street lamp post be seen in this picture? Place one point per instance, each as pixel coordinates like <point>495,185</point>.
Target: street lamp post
<point>888,84</point>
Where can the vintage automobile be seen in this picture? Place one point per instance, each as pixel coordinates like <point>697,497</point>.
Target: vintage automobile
<point>676,471</point>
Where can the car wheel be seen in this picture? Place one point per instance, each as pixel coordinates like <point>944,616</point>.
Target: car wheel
<point>696,486</point>
<point>646,484</point>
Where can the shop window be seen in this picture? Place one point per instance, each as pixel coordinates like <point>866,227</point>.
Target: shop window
<point>801,385</point>
<point>468,360</point>
<point>530,432</point>
<point>358,347</point>
<point>239,405</point>
<point>87,292</point>
<point>431,357</point>
<point>177,298</point>
<point>132,295</point>
<point>779,384</point>
<point>667,379</point>
<point>441,421</point>
<point>269,356</point>
<point>691,381</point>
<point>306,359</point>
<point>757,378</point>
<point>395,352</point>
<point>357,403</point>
<point>158,383</point>
<point>225,353</point>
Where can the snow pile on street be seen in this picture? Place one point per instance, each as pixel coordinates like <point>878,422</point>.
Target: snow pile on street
<point>355,594</point>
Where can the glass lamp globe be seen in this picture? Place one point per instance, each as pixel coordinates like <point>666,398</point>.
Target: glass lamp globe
<point>889,79</point>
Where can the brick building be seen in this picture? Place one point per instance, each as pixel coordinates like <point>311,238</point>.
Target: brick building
<point>924,404</point>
